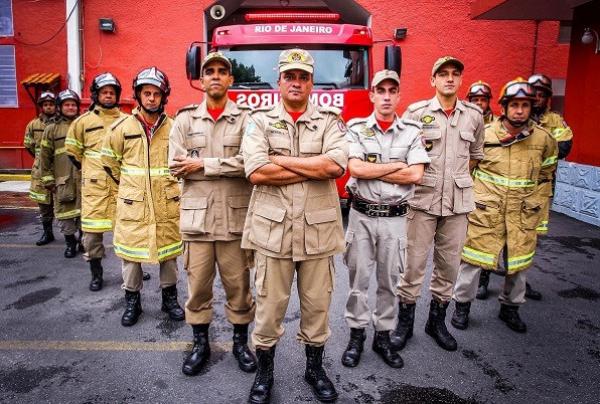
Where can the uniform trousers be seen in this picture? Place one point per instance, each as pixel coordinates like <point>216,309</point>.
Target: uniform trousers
<point>199,259</point>
<point>374,244</point>
<point>274,278</point>
<point>447,234</point>
<point>133,275</point>
<point>47,210</point>
<point>68,227</point>
<point>93,245</point>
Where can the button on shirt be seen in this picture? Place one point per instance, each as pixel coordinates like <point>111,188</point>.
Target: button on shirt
<point>402,142</point>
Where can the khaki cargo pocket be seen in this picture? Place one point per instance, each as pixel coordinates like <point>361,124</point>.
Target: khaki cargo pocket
<point>65,189</point>
<point>424,193</point>
<point>463,195</point>
<point>464,148</point>
<point>267,225</point>
<point>95,186</point>
<point>260,277</point>
<point>172,194</point>
<point>231,145</point>
<point>319,235</point>
<point>531,214</point>
<point>398,154</point>
<point>193,215</point>
<point>130,204</point>
<point>311,148</point>
<point>280,144</point>
<point>433,145</point>
<point>486,214</point>
<point>237,206</point>
<point>196,145</point>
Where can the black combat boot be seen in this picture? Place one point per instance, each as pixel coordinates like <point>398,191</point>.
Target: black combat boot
<point>531,293</point>
<point>196,360</point>
<point>460,318</point>
<point>484,281</point>
<point>71,250</point>
<point>436,325</point>
<point>315,375</point>
<point>260,393</point>
<point>510,315</point>
<point>96,268</point>
<point>243,354</point>
<point>383,347</point>
<point>133,310</point>
<point>351,356</point>
<point>404,327</point>
<point>80,246</point>
<point>170,304</point>
<point>47,235</point>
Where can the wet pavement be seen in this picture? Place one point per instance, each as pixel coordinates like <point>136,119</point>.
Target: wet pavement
<point>61,343</point>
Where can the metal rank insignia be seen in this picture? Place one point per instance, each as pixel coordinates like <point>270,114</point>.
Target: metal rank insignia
<point>427,121</point>
<point>367,132</point>
<point>371,157</point>
<point>279,125</point>
<point>428,144</point>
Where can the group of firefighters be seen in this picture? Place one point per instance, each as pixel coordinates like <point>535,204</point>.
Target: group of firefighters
<point>234,189</point>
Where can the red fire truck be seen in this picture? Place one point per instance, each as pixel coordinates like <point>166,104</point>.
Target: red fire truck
<point>342,53</point>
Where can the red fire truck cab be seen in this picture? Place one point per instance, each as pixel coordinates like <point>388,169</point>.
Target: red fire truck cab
<point>342,53</point>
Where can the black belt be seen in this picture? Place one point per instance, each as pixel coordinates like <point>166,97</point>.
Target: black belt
<point>372,209</point>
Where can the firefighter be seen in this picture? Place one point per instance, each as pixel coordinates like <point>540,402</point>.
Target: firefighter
<point>512,184</point>
<point>453,136</point>
<point>98,192</point>
<point>480,94</point>
<point>293,151</point>
<point>59,175</point>
<point>386,157</point>
<point>32,142</point>
<point>134,155</point>
<point>204,148</point>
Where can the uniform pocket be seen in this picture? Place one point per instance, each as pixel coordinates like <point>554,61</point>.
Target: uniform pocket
<point>424,192</point>
<point>260,278</point>
<point>531,214</point>
<point>310,148</point>
<point>131,204</point>
<point>331,275</point>
<point>319,235</point>
<point>402,246</point>
<point>172,194</point>
<point>486,214</point>
<point>433,144</point>
<point>468,137</point>
<point>196,145</point>
<point>280,145</point>
<point>398,154</point>
<point>267,225</point>
<point>95,186</point>
<point>463,194</point>
<point>237,207</point>
<point>348,251</point>
<point>231,145</point>
<point>193,215</point>
<point>65,189</point>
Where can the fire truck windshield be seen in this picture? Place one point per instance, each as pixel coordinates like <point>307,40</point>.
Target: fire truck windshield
<point>342,68</point>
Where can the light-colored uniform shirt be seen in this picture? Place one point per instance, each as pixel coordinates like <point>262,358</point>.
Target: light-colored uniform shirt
<point>402,142</point>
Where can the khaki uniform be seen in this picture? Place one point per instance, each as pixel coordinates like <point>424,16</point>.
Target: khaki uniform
<point>378,244</point>
<point>295,227</point>
<point>32,142</point>
<point>444,197</point>
<point>489,118</point>
<point>561,132</point>
<point>214,203</point>
<point>57,170</point>
<point>147,217</point>
<point>98,191</point>
<point>512,184</point>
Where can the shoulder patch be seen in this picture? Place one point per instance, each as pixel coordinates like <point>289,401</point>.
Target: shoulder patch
<point>331,110</point>
<point>187,108</point>
<point>418,105</point>
<point>412,123</point>
<point>244,106</point>
<point>118,122</point>
<point>472,106</point>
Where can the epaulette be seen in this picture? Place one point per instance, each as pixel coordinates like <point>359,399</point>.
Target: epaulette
<point>472,106</point>
<point>244,106</point>
<point>118,122</point>
<point>355,121</point>
<point>541,128</point>
<point>187,108</point>
<point>332,110</point>
<point>418,105</point>
<point>412,122</point>
<point>263,109</point>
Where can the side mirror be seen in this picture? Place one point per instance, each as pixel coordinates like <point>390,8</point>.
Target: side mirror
<point>192,62</point>
<point>393,58</point>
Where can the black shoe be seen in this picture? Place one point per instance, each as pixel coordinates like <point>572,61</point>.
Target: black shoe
<point>243,354</point>
<point>531,293</point>
<point>71,250</point>
<point>133,310</point>
<point>315,375</point>
<point>260,393</point>
<point>146,276</point>
<point>404,327</point>
<point>484,281</point>
<point>510,315</point>
<point>196,360</point>
<point>436,326</point>
<point>47,235</point>
<point>383,347</point>
<point>460,318</point>
<point>351,356</point>
<point>96,269</point>
<point>170,304</point>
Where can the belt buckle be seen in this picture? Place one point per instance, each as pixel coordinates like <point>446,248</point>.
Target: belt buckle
<point>378,210</point>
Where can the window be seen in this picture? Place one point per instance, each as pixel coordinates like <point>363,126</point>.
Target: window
<point>8,77</point>
<point>6,18</point>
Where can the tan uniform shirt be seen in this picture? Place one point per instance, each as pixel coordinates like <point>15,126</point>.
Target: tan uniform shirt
<point>299,221</point>
<point>32,142</point>
<point>215,200</point>
<point>447,187</point>
<point>401,142</point>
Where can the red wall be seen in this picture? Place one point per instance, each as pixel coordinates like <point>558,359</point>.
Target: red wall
<point>159,32</point>
<point>582,105</point>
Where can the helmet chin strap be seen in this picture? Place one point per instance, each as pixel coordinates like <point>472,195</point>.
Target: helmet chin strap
<point>108,106</point>
<point>157,110</point>
<point>516,124</point>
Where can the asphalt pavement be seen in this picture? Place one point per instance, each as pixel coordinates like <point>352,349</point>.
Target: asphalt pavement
<point>61,343</point>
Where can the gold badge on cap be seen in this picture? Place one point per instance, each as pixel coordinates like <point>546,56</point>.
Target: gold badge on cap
<point>295,57</point>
